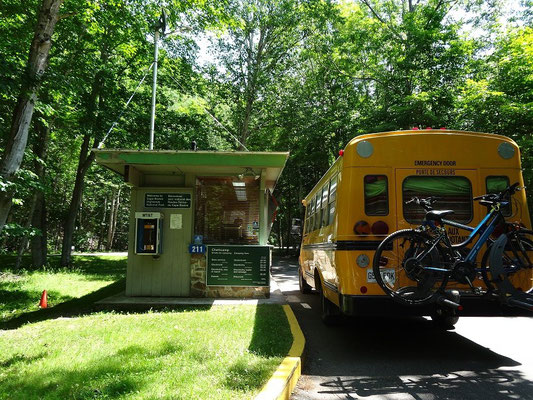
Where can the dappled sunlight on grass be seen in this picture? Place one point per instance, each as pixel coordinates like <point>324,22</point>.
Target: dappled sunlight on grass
<point>20,290</point>
<point>68,351</point>
<point>212,353</point>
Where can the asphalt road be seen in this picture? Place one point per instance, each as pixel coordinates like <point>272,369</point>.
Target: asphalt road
<point>408,358</point>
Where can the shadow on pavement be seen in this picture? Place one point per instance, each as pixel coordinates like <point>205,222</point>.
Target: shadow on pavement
<point>394,358</point>
<point>487,384</point>
<point>409,358</point>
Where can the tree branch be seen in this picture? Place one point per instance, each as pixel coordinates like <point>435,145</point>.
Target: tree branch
<point>67,15</point>
<point>380,19</point>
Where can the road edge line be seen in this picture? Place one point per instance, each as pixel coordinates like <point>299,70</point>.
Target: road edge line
<point>284,379</point>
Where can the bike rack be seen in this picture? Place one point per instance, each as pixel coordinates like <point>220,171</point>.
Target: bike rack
<point>507,293</point>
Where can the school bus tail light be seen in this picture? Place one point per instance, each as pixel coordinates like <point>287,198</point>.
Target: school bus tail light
<point>380,228</point>
<point>361,228</point>
<point>383,261</point>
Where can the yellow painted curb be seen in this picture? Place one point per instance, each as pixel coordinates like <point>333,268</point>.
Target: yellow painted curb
<point>283,381</point>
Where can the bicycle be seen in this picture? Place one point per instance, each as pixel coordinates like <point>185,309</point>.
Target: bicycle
<point>414,266</point>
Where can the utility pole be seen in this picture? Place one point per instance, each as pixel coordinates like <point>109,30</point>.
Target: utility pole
<point>154,88</point>
<point>161,24</point>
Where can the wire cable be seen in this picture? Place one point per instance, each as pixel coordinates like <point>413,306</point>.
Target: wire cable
<point>212,116</point>
<point>125,107</point>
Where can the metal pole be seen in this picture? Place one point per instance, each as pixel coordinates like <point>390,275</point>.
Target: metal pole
<point>154,85</point>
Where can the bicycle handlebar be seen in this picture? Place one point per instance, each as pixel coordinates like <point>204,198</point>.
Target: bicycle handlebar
<point>425,203</point>
<point>497,197</point>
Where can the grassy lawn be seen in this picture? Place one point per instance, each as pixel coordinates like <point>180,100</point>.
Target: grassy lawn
<point>20,291</point>
<point>69,352</point>
<point>225,352</point>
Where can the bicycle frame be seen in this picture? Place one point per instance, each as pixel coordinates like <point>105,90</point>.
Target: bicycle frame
<point>485,228</point>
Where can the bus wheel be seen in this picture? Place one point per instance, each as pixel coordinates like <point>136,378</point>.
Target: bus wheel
<point>330,312</point>
<point>444,320</point>
<point>305,288</point>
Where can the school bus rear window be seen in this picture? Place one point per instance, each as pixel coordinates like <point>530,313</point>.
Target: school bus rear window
<point>450,192</point>
<point>376,195</point>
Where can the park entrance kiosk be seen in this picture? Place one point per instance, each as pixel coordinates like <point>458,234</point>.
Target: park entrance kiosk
<point>199,220</point>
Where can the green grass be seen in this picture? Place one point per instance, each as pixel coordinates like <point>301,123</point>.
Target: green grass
<point>224,352</point>
<point>20,291</point>
<point>69,352</point>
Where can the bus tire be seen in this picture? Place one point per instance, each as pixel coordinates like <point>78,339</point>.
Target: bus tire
<point>329,311</point>
<point>444,321</point>
<point>305,288</point>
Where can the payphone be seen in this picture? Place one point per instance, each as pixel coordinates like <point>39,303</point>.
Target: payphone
<point>148,229</point>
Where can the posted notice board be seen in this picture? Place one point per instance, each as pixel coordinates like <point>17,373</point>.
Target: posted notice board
<point>234,265</point>
<point>167,200</point>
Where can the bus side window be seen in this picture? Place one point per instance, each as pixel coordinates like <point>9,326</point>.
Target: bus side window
<point>497,184</point>
<point>318,208</point>
<point>325,192</point>
<point>332,198</point>
<point>312,217</point>
<point>376,195</point>
<point>306,220</point>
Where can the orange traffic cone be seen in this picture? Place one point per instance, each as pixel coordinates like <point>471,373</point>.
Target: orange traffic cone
<point>44,302</point>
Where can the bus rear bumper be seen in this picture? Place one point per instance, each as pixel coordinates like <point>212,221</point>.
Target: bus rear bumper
<point>385,306</point>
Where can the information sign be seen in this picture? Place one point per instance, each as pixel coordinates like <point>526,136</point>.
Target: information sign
<point>197,248</point>
<point>167,200</point>
<point>235,265</point>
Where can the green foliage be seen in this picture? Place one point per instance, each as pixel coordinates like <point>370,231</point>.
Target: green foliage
<point>499,98</point>
<point>302,76</point>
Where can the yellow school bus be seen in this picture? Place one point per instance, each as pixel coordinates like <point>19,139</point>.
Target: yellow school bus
<point>361,199</point>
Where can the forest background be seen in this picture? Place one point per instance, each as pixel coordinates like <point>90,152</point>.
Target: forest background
<point>303,76</point>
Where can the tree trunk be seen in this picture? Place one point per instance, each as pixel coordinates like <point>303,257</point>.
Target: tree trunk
<point>289,239</point>
<point>280,238</point>
<point>39,242</point>
<point>39,250</point>
<point>22,115</point>
<point>110,221</point>
<point>85,161</point>
<point>117,205</point>
<point>102,225</point>
<point>254,67</point>
<point>25,239</point>
<point>113,219</point>
<point>87,157</point>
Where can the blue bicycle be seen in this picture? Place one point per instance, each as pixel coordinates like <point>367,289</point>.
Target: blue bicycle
<point>414,266</point>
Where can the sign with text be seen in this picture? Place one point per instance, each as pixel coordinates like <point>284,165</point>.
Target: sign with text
<point>197,248</point>
<point>167,200</point>
<point>235,265</point>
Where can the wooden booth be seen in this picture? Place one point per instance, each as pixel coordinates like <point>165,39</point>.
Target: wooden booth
<point>199,220</point>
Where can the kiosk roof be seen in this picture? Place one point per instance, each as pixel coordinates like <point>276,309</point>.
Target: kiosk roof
<point>171,162</point>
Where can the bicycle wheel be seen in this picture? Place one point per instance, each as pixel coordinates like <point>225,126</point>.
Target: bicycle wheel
<point>406,268</point>
<point>518,254</point>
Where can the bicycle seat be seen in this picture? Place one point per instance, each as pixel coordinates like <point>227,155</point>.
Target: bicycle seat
<point>437,215</point>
